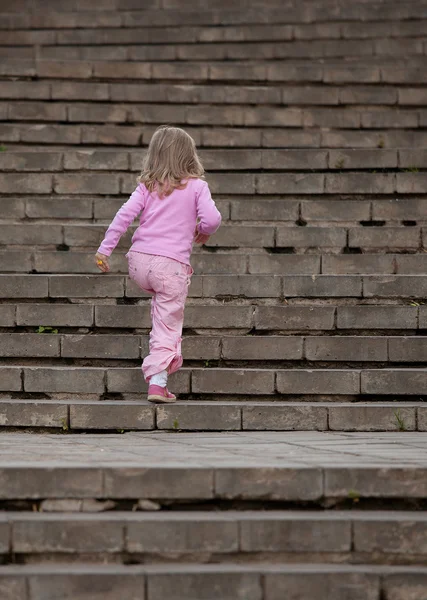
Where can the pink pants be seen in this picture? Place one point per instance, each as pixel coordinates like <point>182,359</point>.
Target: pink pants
<point>168,280</point>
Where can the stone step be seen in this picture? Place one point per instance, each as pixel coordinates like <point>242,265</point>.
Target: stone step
<point>229,581</point>
<point>331,211</point>
<point>89,137</point>
<point>137,415</point>
<point>234,115</point>
<point>408,317</point>
<point>142,37</point>
<point>198,535</point>
<point>94,382</point>
<point>311,467</point>
<point>403,160</point>
<point>202,13</point>
<point>28,43</point>
<point>221,287</point>
<point>290,238</point>
<point>55,262</point>
<point>340,348</point>
<point>226,183</point>
<point>331,71</point>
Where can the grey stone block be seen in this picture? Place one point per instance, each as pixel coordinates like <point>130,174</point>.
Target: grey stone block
<point>75,585</point>
<point>218,317</point>
<point>360,183</point>
<point>58,315</point>
<point>29,345</point>
<point>371,418</point>
<point>289,264</point>
<point>318,381</point>
<point>322,286</point>
<point>209,586</point>
<point>287,483</point>
<point>105,415</point>
<point>64,379</point>
<point>86,286</point>
<point>129,317</point>
<point>201,348</point>
<point>204,417</point>
<point>292,183</point>
<point>335,210</point>
<point>376,482</point>
<point>7,315</point>
<point>100,346</point>
<point>411,265</point>
<point>279,417</point>
<point>394,381</point>
<point>358,264</point>
<point>377,317</point>
<point>5,535</point>
<point>65,534</point>
<point>352,348</point>
<point>242,285</point>
<point>56,482</point>
<point>311,237</point>
<point>405,586</point>
<point>294,317</point>
<point>232,381</point>
<point>13,587</point>
<point>384,237</point>
<point>387,535</point>
<point>306,585</point>
<point>33,414</point>
<point>10,379</point>
<point>264,210</point>
<point>262,348</point>
<point>181,536</point>
<point>407,349</point>
<point>400,286</point>
<point>171,483</point>
<point>295,535</point>
<point>23,286</point>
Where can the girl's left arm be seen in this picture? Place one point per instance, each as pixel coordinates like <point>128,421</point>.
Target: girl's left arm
<point>124,217</point>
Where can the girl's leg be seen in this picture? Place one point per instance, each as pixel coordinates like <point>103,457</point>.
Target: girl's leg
<point>170,280</point>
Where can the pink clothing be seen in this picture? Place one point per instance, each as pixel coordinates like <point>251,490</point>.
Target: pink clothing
<point>168,281</point>
<point>167,225</point>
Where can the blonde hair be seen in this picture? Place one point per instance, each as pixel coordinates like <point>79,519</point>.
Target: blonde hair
<point>171,158</point>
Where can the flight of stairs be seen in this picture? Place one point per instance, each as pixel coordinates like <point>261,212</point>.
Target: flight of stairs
<point>307,311</point>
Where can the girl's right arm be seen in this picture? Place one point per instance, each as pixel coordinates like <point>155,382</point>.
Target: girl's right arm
<point>207,213</point>
<point>124,217</point>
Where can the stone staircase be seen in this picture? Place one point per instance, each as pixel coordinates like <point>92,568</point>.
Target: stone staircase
<point>306,319</point>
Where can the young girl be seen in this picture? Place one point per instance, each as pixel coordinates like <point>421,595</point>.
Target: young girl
<point>177,210</point>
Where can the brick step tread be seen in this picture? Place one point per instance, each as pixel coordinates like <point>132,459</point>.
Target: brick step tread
<point>308,317</point>
<point>205,13</point>
<point>226,533</point>
<point>21,45</point>
<point>48,135</point>
<point>267,382</point>
<point>338,348</point>
<point>275,71</point>
<point>294,116</point>
<point>21,32</point>
<point>251,582</point>
<point>55,262</point>
<point>307,161</point>
<point>304,466</point>
<point>256,236</point>
<point>85,415</point>
<point>331,211</point>
<point>231,183</point>
<point>219,286</point>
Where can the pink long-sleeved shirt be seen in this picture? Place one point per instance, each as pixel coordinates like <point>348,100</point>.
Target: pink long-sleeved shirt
<point>167,225</point>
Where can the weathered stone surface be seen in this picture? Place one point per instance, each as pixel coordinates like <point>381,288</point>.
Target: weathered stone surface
<point>232,381</point>
<point>42,482</point>
<point>204,417</point>
<point>318,381</point>
<point>33,414</point>
<point>209,586</point>
<point>13,587</point>
<point>340,586</point>
<point>371,418</point>
<point>100,346</point>
<point>376,482</point>
<point>322,286</point>
<point>198,534</point>
<point>29,345</point>
<point>64,379</point>
<point>122,380</point>
<point>107,415</point>
<point>66,535</point>
<point>23,286</point>
<point>395,286</point>
<point>294,317</point>
<point>390,535</point>
<point>262,348</point>
<point>376,317</point>
<point>10,379</point>
<point>57,315</point>
<point>302,483</point>
<point>352,348</point>
<point>75,585</point>
<point>405,587</point>
<point>284,418</point>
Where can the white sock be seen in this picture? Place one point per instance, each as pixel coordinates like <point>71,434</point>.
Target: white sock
<point>160,379</point>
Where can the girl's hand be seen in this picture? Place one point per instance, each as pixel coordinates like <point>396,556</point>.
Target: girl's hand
<point>201,238</point>
<point>101,261</point>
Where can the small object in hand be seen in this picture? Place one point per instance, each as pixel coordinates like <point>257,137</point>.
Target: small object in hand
<point>99,262</point>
